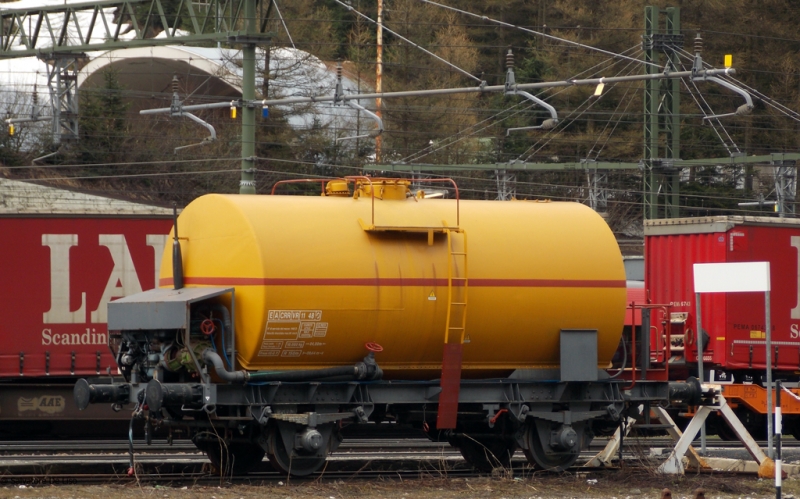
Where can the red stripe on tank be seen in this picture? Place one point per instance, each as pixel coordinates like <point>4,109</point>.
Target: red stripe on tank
<point>388,281</point>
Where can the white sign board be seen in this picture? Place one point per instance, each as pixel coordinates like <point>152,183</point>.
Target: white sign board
<point>731,277</point>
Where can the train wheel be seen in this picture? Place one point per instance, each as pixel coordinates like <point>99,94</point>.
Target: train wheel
<point>235,458</point>
<point>486,454</point>
<point>551,460</point>
<point>288,465</point>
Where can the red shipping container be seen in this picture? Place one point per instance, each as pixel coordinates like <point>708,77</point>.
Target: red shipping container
<point>734,322</point>
<point>61,263</point>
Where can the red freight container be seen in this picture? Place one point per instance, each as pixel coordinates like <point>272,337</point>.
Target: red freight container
<point>63,256</point>
<point>734,322</point>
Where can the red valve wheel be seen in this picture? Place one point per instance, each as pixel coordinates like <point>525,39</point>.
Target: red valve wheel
<point>207,327</point>
<point>374,347</point>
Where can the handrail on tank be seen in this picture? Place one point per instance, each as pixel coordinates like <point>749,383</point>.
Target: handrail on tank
<point>370,180</point>
<point>322,181</point>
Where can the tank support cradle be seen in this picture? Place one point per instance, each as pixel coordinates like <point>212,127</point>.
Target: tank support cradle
<point>683,448</point>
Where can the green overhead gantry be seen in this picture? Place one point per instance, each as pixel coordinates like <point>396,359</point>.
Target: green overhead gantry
<point>775,159</point>
<point>59,35</point>
<point>785,163</point>
<point>662,114</point>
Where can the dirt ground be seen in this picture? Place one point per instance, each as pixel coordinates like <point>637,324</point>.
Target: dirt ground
<point>624,484</point>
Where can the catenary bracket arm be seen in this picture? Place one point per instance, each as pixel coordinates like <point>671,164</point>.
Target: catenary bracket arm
<point>511,88</point>
<point>742,110</point>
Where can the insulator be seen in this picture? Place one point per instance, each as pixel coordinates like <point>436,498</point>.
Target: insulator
<point>743,110</point>
<point>35,96</point>
<point>549,123</point>
<point>339,69</point>
<point>698,44</point>
<point>510,59</point>
<point>175,84</point>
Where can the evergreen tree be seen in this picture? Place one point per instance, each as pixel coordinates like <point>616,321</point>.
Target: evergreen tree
<point>103,124</point>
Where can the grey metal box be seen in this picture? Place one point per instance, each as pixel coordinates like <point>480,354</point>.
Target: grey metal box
<point>157,308</point>
<point>578,355</point>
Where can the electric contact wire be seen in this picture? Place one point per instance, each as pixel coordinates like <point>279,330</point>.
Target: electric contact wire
<point>705,114</point>
<point>710,120</point>
<point>551,133</point>
<point>463,135</point>
<point>135,175</point>
<point>125,163</point>
<point>491,181</point>
<point>537,33</point>
<point>353,10</point>
<point>787,111</point>
<point>616,124</point>
<point>419,155</point>
<point>488,181</point>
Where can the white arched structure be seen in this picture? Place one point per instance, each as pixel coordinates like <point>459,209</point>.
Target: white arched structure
<point>214,75</point>
<point>147,72</point>
<point>205,75</point>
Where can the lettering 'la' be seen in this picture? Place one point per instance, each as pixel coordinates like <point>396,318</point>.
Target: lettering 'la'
<point>89,337</point>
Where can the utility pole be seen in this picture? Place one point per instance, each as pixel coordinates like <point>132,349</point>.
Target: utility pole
<point>247,184</point>
<point>379,77</point>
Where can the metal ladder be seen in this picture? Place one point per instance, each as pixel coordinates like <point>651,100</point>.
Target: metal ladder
<point>453,284</point>
<point>455,330</point>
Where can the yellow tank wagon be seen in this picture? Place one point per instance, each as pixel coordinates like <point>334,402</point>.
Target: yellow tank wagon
<point>317,277</point>
<point>486,324</point>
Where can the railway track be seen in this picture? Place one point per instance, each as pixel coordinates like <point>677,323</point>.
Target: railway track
<point>348,446</point>
<point>107,461</point>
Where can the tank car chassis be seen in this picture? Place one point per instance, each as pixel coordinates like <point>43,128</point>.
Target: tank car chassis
<point>167,344</point>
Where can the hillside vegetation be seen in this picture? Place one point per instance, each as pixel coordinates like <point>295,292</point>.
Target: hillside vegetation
<point>471,128</point>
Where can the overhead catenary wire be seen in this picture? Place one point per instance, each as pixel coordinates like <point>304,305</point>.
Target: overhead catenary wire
<point>788,112</point>
<point>465,134</point>
<point>591,100</point>
<point>431,149</point>
<point>275,3</point>
<point>546,195</point>
<point>616,124</point>
<point>711,118</point>
<point>537,33</point>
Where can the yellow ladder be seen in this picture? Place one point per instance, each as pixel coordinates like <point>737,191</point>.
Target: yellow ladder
<point>456,323</point>
<point>456,289</point>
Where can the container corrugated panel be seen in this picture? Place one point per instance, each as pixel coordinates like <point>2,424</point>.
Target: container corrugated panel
<point>58,273</point>
<point>734,322</point>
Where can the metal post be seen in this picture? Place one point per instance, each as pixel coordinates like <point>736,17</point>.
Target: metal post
<point>778,431</point>
<point>785,186</point>
<point>247,185</point>
<point>379,77</point>
<point>672,120</point>
<point>651,101</point>
<point>769,374</point>
<point>699,335</point>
